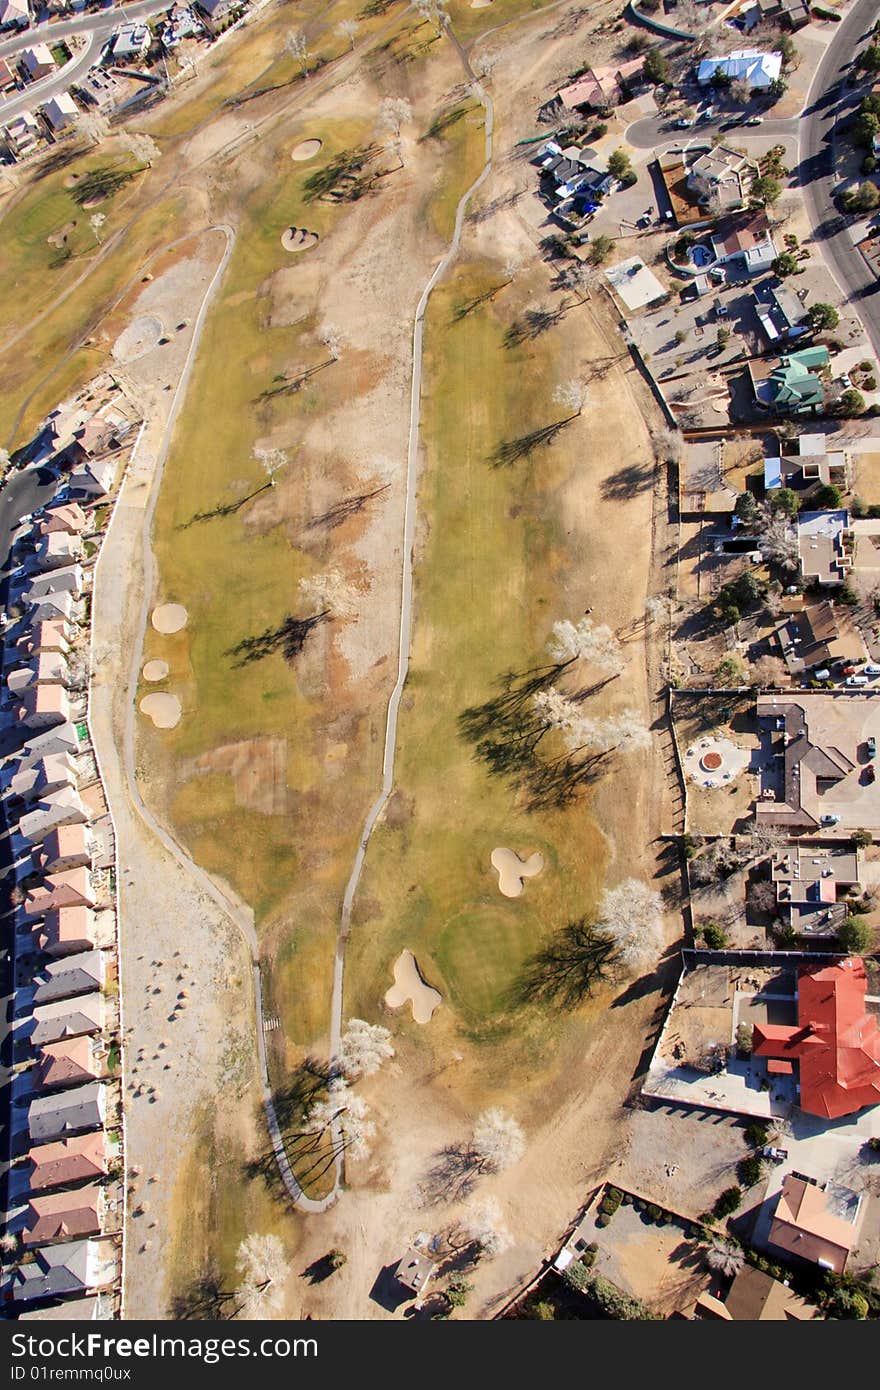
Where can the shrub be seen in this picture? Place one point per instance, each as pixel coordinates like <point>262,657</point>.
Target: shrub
<point>757,1134</point>
<point>604,1217</point>
<point>750,1170</point>
<point>744,1039</point>
<point>614,1195</point>
<point>728,1201</point>
<point>854,935</point>
<point>870,383</point>
<point>714,936</point>
<point>598,131</point>
<point>861,838</point>
<point>653,1211</point>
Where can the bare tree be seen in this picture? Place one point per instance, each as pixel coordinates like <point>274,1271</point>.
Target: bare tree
<point>394,112</point>
<point>142,146</point>
<point>587,641</point>
<point>626,730</point>
<point>264,1270</point>
<point>271,461</point>
<point>298,46</point>
<point>497,1141</point>
<point>667,445</point>
<point>572,394</point>
<point>348,28</point>
<point>483,1226</point>
<point>433,12</point>
<point>4,460</point>
<point>725,1258</point>
<point>345,1115</point>
<point>364,1047</point>
<point>94,126</point>
<point>579,277</point>
<point>96,222</point>
<point>332,591</point>
<point>632,915</point>
<point>332,338</point>
<point>778,537</point>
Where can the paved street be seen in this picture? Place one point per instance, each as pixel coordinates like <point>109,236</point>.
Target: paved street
<point>97,28</point>
<point>654,132</point>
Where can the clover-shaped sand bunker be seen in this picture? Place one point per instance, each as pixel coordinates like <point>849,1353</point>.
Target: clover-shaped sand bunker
<point>512,871</point>
<point>163,709</point>
<point>410,987</point>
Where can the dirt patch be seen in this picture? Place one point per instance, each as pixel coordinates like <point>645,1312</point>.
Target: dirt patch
<point>258,768</point>
<point>163,709</point>
<point>513,871</point>
<point>138,339</point>
<point>169,617</point>
<point>306,149</point>
<point>298,239</point>
<point>410,988</point>
<point>155,670</point>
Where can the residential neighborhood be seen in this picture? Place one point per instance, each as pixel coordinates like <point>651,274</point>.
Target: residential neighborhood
<point>440,685</point>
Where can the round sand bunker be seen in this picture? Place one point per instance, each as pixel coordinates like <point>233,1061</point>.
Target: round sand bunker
<point>164,710</point>
<point>512,871</point>
<point>298,239</point>
<point>155,670</point>
<point>410,988</point>
<point>169,617</point>
<point>138,338</point>
<point>306,149</point>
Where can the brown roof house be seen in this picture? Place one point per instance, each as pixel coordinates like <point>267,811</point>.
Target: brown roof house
<point>46,775</point>
<point>720,178</point>
<point>44,705</point>
<point>811,763</point>
<point>72,1062</point>
<point>811,638</point>
<point>63,807</point>
<point>69,1160</point>
<point>57,549</point>
<point>70,975</point>
<point>67,888</point>
<point>67,1018</point>
<point>94,478</point>
<point>817,1223</point>
<point>64,1216</point>
<point>755,1297</point>
<point>65,931</point>
<point>415,1270</point>
<point>65,847</point>
<point>46,636</point>
<point>67,516</point>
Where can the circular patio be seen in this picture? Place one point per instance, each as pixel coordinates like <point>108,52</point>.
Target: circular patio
<point>715,762</point>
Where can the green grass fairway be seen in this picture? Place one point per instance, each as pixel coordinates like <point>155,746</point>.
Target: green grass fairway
<point>488,587</point>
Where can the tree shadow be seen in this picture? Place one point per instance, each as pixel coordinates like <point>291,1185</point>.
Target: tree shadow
<point>226,508</point>
<point>568,967</point>
<point>511,451</point>
<point>347,177</point>
<point>289,638</point>
<point>467,306</point>
<point>288,386</point>
<point>532,324</point>
<point>628,482</point>
<point>451,1177</point>
<point>101,182</point>
<point>204,1300</point>
<point>341,511</point>
<point>319,1270</point>
<point>443,122</point>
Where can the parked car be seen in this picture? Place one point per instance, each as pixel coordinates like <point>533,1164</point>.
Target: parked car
<point>755,120</point>
<point>871,747</point>
<point>707,115</point>
<point>872,669</point>
<point>857,680</point>
<point>822,675</point>
<point>771,1152</point>
<point>870,773</point>
<point>829,820</point>
<point>846,381</point>
<point>848,670</point>
<point>683,123</point>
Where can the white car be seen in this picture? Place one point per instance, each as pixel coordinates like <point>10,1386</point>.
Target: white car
<point>755,120</point>
<point>846,381</point>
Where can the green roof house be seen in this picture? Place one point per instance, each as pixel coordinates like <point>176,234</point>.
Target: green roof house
<point>790,385</point>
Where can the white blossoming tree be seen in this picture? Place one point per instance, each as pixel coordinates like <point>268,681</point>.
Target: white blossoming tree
<point>497,1141</point>
<point>632,916</point>
<point>364,1047</point>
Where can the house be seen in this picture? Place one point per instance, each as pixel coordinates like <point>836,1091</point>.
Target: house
<point>67,888</point>
<point>43,706</point>
<point>811,763</point>
<point>46,775</point>
<point>835,1042</point>
<point>53,607</point>
<point>63,739</point>
<point>68,580</point>
<point>824,546</point>
<point>7,78</point>
<point>44,668</point>
<point>15,14</point>
<point>794,14</point>
<point>596,89</point>
<point>810,638</point>
<point>781,313</point>
<point>182,24</point>
<point>66,1161</point>
<point>215,13</point>
<point>414,1270</point>
<point>66,516</point>
<point>93,478</point>
<point>22,135</point>
<point>93,438</point>
<point>789,384</point>
<point>60,111</point>
<point>746,240</point>
<point>70,1063</point>
<point>755,1297</point>
<point>65,847</point>
<point>99,89</point>
<point>813,463</point>
<point>66,1112</point>
<point>66,930</point>
<point>720,178</point>
<point>67,1018</point>
<point>57,549</point>
<point>749,65</point>
<point>61,1270</point>
<point>37,62</point>
<point>810,883</point>
<point>130,41</point>
<point>816,1222</point>
<point>63,807</point>
<point>69,976</point>
<point>71,1310</point>
<point>44,637</point>
<point>64,1216</point>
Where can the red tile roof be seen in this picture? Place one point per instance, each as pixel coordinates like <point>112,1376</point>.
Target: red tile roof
<point>835,1042</point>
